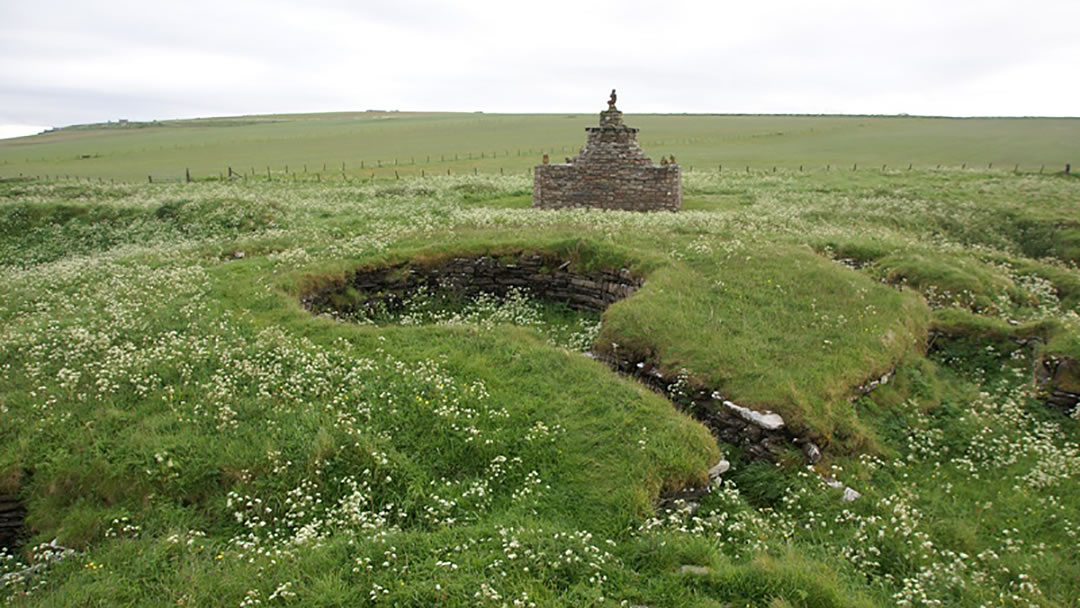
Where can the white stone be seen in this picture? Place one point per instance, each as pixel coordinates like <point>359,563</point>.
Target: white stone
<point>770,421</point>
<point>719,469</point>
<point>850,495</point>
<point>699,570</point>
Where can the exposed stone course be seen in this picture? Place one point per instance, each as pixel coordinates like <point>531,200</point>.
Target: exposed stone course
<point>611,172</point>
<point>12,514</point>
<point>547,278</point>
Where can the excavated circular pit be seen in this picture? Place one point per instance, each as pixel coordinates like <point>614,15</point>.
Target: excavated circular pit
<point>544,277</point>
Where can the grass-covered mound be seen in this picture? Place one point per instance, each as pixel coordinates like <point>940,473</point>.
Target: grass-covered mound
<point>782,329</point>
<point>171,412</point>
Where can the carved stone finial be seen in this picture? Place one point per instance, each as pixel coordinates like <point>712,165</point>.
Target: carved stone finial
<point>545,159</point>
<point>611,100</point>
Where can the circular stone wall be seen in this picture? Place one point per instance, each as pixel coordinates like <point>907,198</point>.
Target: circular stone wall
<point>545,277</point>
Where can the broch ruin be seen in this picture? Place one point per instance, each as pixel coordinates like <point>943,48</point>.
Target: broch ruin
<point>611,172</point>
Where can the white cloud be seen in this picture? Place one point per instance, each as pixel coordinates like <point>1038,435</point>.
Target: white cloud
<point>8,131</point>
<point>66,61</point>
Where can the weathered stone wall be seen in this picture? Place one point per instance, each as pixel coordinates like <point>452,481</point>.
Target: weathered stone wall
<point>1056,381</point>
<point>611,172</point>
<point>547,278</point>
<point>12,514</point>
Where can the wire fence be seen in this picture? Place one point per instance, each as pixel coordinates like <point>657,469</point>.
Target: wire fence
<point>325,172</point>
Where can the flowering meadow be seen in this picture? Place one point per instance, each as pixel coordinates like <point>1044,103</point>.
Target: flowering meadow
<point>182,431</point>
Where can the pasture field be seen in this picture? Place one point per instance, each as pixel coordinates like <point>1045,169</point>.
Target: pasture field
<point>411,144</point>
<point>190,434</point>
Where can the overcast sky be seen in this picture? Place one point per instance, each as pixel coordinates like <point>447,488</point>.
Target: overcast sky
<point>67,62</point>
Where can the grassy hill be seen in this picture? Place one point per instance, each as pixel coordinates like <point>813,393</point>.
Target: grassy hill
<point>433,143</point>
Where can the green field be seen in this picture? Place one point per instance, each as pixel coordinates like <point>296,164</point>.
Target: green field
<point>382,143</point>
<point>192,435</point>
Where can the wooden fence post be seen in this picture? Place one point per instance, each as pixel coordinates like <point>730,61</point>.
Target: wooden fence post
<point>1068,168</point>
<point>187,176</point>
<point>150,178</point>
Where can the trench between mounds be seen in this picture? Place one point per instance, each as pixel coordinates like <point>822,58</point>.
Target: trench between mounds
<point>1052,375</point>
<point>547,277</point>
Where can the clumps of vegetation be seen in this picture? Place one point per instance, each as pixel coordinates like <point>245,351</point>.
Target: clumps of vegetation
<point>559,324</point>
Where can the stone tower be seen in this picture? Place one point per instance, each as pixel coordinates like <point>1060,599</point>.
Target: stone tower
<point>611,172</point>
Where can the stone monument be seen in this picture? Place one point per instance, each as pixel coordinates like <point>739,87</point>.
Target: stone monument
<point>611,172</point>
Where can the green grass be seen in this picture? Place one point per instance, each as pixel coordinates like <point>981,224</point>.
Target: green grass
<point>169,410</point>
<point>408,144</point>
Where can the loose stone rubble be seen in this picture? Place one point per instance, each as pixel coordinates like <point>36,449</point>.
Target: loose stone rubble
<point>611,172</point>
<point>761,435</point>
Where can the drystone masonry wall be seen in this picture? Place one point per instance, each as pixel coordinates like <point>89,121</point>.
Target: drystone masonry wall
<point>547,278</point>
<point>611,172</point>
<point>1052,376</point>
<point>12,514</point>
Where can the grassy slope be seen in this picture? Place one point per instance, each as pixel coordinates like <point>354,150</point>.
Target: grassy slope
<point>514,143</point>
<point>199,375</point>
